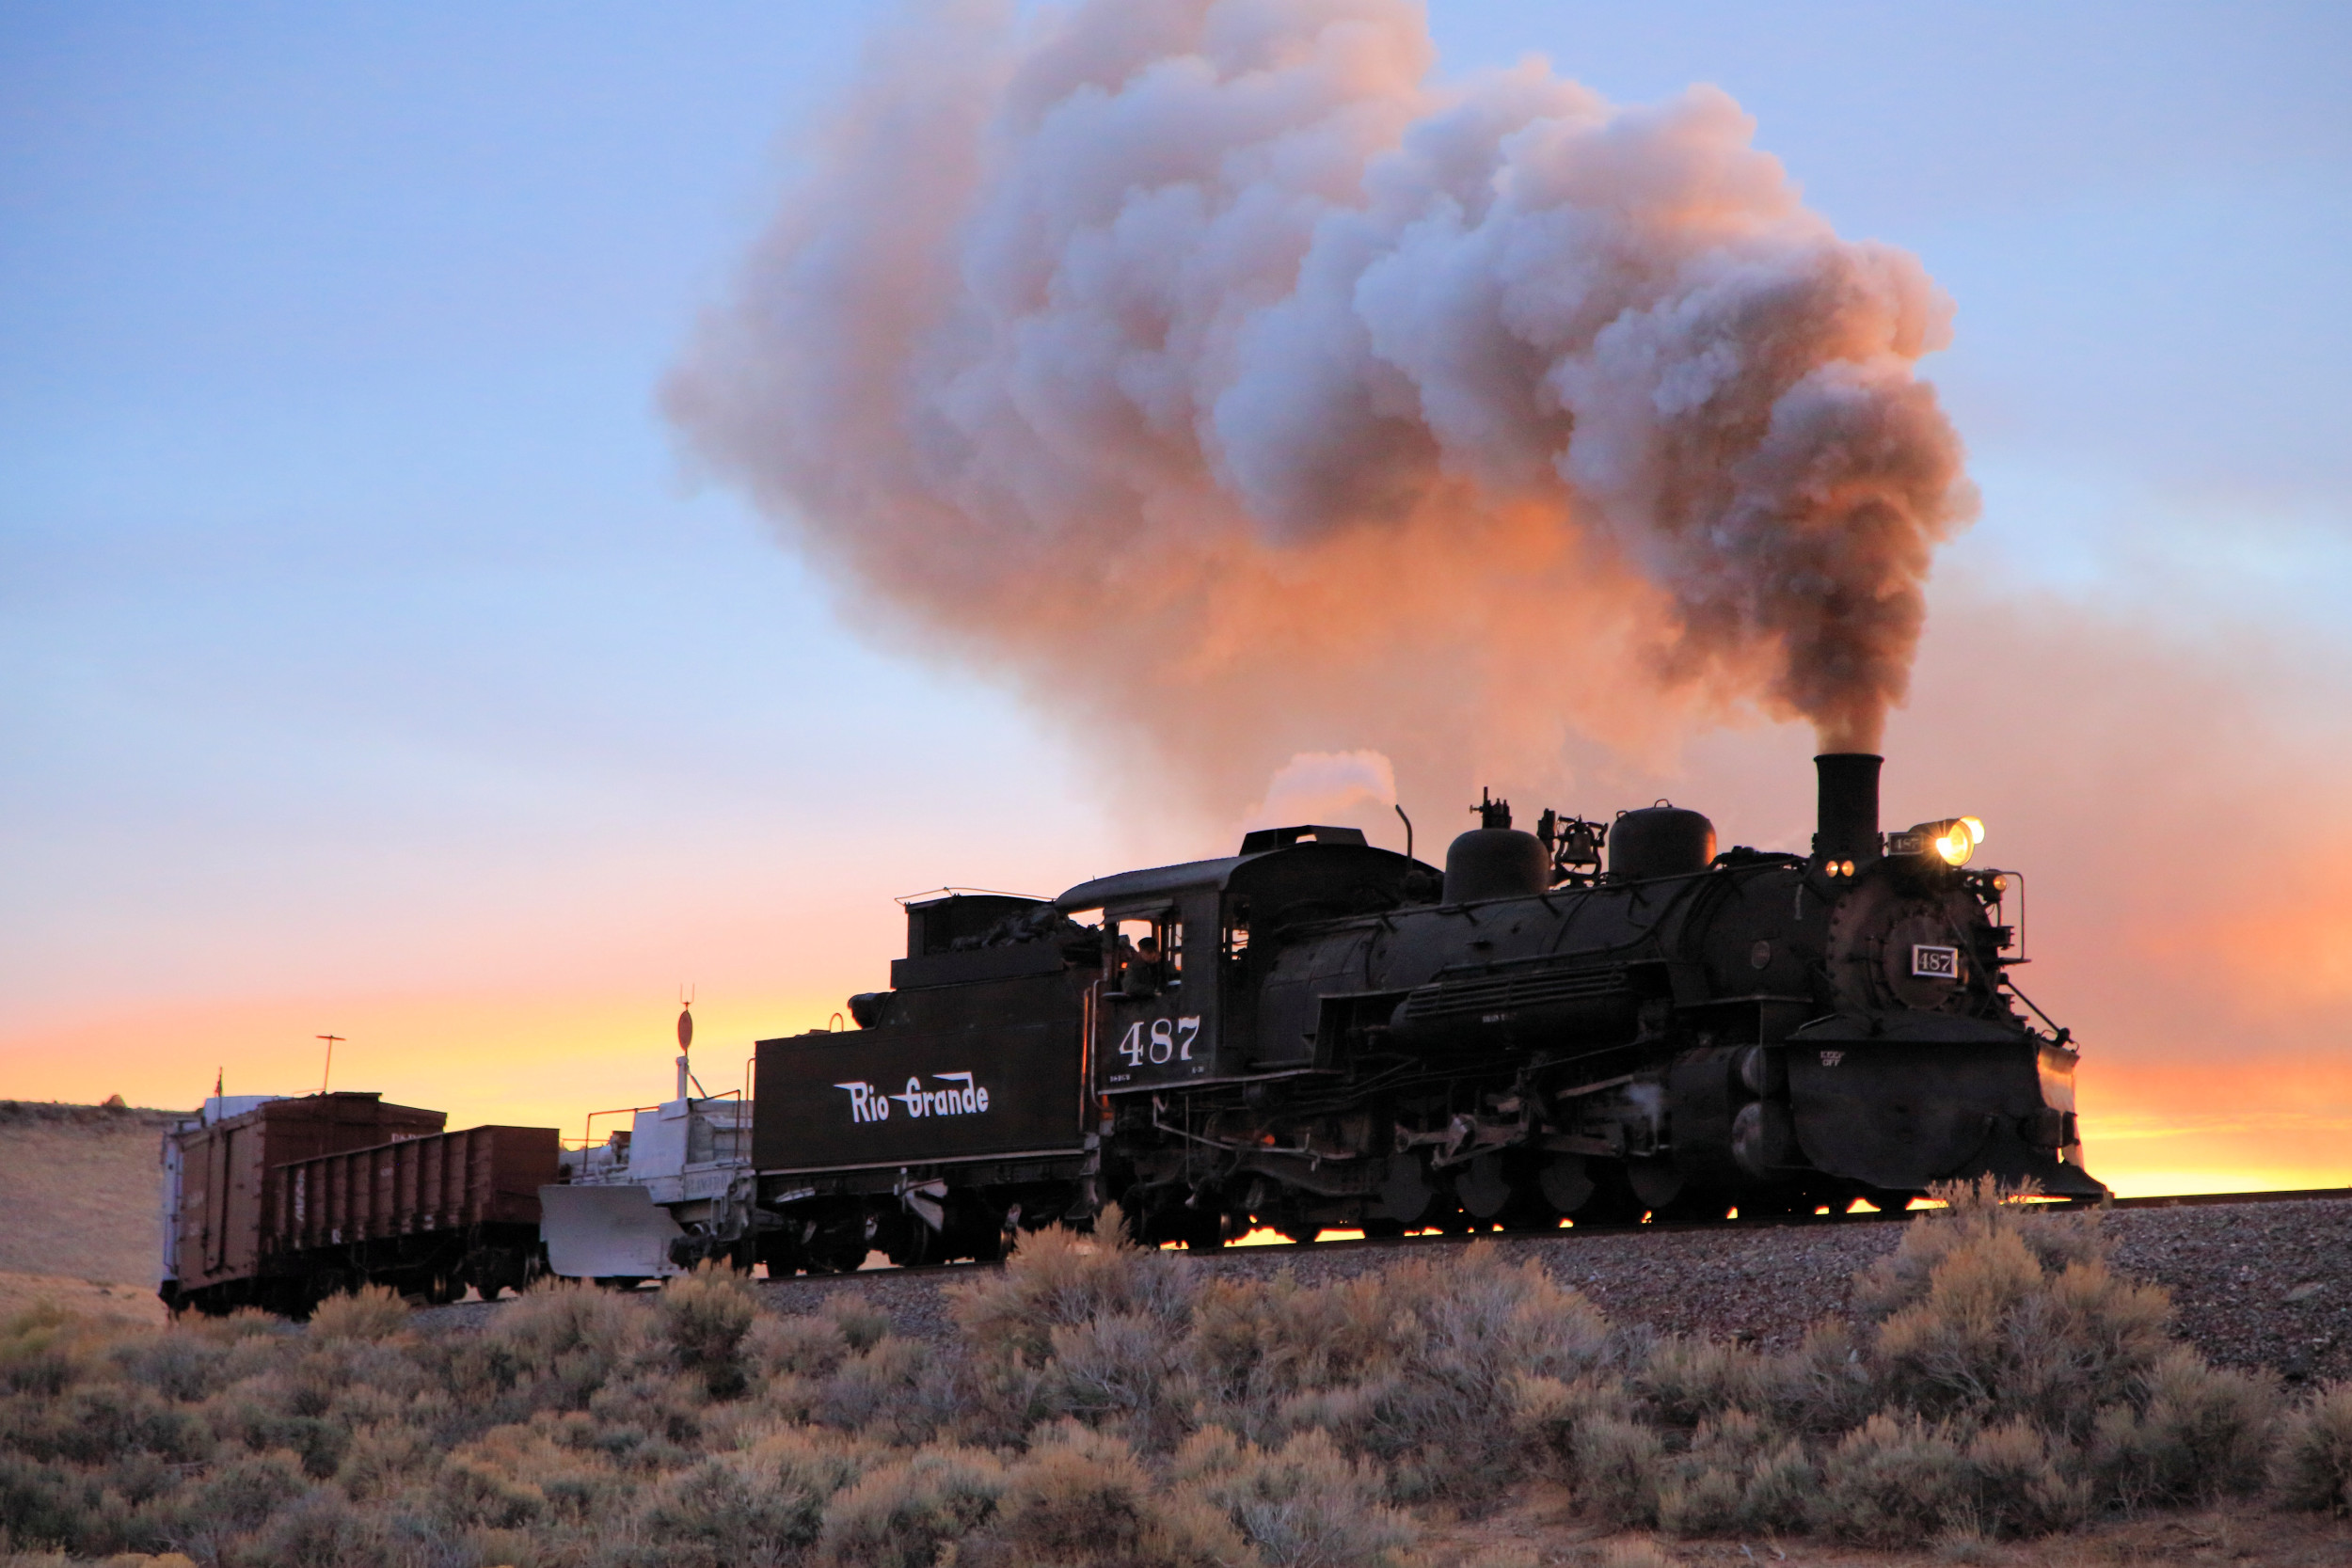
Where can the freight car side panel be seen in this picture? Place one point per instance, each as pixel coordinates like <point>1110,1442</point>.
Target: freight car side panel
<point>218,1232</point>
<point>226,1195</point>
<point>897,1096</point>
<point>444,1181</point>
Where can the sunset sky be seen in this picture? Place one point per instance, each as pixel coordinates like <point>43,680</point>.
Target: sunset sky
<point>372,662</point>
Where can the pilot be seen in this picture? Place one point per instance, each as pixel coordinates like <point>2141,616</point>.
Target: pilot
<point>1142,975</point>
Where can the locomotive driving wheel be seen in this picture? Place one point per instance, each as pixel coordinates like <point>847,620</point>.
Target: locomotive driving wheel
<point>1612,1199</point>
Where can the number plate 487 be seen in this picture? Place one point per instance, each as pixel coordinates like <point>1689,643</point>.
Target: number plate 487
<point>1161,1041</point>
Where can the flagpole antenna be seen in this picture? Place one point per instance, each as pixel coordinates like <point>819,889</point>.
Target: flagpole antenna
<point>686,1042</point>
<point>332,1042</point>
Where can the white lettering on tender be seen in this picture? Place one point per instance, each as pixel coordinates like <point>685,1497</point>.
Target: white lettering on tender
<point>961,1097</point>
<point>865,1105</point>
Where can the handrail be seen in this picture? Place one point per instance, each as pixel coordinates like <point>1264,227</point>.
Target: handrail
<point>588,1128</point>
<point>906,898</point>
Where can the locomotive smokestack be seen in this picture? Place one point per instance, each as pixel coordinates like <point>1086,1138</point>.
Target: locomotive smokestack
<point>1847,827</point>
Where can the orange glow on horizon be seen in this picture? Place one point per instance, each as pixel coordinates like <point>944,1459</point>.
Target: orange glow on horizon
<point>529,1061</point>
<point>2255,1125</point>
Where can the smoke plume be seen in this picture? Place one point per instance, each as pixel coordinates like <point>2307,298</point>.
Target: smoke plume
<point>1353,790</point>
<point>1211,368</point>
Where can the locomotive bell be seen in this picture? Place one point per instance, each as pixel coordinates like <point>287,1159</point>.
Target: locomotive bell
<point>1663,840</point>
<point>1496,861</point>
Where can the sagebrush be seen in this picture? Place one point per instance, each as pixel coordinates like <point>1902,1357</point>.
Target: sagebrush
<point>1108,1404</point>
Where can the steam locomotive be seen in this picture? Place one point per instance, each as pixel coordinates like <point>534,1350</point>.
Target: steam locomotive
<point>1594,1020</point>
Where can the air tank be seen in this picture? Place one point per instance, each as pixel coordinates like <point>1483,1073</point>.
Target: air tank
<point>1659,841</point>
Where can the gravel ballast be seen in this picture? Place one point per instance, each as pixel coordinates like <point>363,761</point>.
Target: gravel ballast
<point>2252,1284</point>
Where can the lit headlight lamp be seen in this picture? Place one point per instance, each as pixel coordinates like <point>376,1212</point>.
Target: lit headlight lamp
<point>1952,841</point>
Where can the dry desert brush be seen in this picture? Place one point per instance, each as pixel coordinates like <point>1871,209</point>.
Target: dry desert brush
<point>1107,1406</point>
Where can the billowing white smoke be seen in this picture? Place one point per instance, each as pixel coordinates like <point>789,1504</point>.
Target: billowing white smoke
<point>1208,369</point>
<point>1352,789</point>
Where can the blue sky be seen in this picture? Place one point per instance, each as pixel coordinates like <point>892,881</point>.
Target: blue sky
<point>360,634</point>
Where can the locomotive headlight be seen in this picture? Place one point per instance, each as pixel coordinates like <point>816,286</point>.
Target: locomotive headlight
<point>1956,845</point>
<point>1976,830</point>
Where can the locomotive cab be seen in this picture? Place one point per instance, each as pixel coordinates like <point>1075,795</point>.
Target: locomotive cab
<point>1195,1023</point>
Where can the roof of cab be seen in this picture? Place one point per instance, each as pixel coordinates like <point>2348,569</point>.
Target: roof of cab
<point>1130,887</point>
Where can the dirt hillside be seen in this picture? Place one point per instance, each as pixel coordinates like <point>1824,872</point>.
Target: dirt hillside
<point>83,1185</point>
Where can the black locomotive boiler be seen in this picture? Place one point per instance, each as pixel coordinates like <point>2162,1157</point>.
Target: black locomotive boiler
<point>1592,1021</point>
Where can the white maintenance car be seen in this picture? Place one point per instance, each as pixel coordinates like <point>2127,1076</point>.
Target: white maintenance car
<point>673,1190</point>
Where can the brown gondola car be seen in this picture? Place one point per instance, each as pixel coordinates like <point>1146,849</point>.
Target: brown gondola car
<point>293,1200</point>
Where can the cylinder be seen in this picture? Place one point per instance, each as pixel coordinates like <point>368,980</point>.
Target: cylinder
<point>1847,824</point>
<point>1495,862</point>
<point>1659,841</point>
<point>1763,1139</point>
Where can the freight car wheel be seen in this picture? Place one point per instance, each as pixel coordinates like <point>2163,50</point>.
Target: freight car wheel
<point>326,1284</point>
<point>839,1243</point>
<point>836,1254</point>
<point>910,1245</point>
<point>494,1271</point>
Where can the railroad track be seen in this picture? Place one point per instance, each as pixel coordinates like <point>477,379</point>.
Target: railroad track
<point>2188,1200</point>
<point>1768,1221</point>
<point>1757,1223</point>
